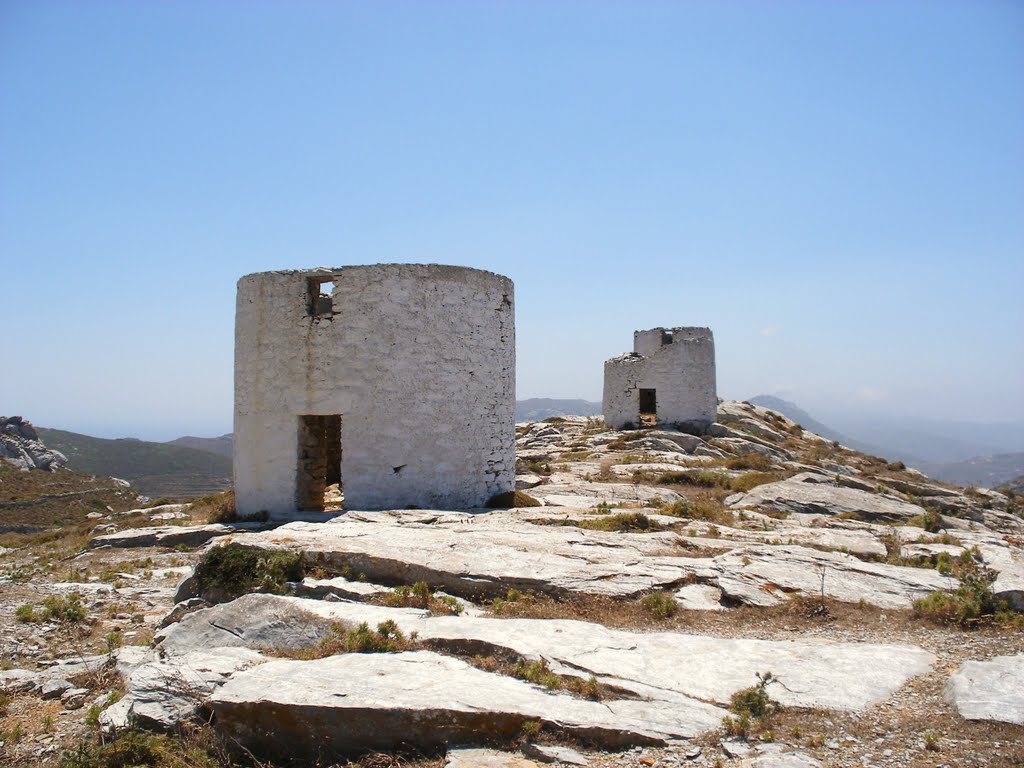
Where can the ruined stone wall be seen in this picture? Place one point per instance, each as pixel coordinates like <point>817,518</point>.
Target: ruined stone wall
<point>419,362</point>
<point>682,371</point>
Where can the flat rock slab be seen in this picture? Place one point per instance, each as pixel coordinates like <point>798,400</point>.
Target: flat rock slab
<point>582,493</point>
<point>162,536</point>
<point>481,555</point>
<point>806,494</point>
<point>767,576</point>
<point>423,699</point>
<point>676,669</point>
<point>476,555</point>
<point>989,690</point>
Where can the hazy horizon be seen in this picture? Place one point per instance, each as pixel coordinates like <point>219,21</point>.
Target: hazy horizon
<point>835,189</point>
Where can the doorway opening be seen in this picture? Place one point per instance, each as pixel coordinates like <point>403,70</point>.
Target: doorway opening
<point>648,407</point>
<point>318,479</point>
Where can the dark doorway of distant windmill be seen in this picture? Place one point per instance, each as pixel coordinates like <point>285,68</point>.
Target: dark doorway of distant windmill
<point>318,480</point>
<point>648,407</point>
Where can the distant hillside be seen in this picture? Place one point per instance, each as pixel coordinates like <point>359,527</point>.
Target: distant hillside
<point>805,420</point>
<point>222,446</point>
<point>33,500</point>
<point>1015,485</point>
<point>988,469</point>
<point>983,471</point>
<point>155,469</point>
<point>936,441</point>
<point>537,408</point>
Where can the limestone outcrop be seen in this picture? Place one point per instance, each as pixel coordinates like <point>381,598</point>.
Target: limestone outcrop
<point>20,445</point>
<point>660,575</point>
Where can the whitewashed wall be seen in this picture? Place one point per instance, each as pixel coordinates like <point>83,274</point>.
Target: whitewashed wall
<point>418,359</point>
<point>683,373</point>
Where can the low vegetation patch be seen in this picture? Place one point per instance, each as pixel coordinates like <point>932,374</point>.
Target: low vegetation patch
<point>699,509</point>
<point>749,461</point>
<point>419,595</point>
<point>513,597</point>
<point>231,571</point>
<point>622,441</point>
<point>931,521</point>
<point>387,638</point>
<point>626,522</point>
<point>539,672</point>
<point>574,455</point>
<point>661,605</point>
<point>64,610</point>
<point>973,602</point>
<point>141,749</point>
<point>752,707</point>
<point>702,478</point>
<point>512,500</point>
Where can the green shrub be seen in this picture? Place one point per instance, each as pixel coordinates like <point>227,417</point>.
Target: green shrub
<point>232,570</point>
<point>750,480</point>
<point>512,597</point>
<point>387,638</point>
<point>139,749</point>
<point>512,500</point>
<point>661,605</point>
<point>419,595</point>
<point>931,521</point>
<point>699,509</point>
<point>26,613</point>
<point>701,478</point>
<point>972,601</point>
<point>944,563</point>
<point>749,461</point>
<point>623,521</point>
<point>538,673</point>
<point>755,701</point>
<point>66,610</point>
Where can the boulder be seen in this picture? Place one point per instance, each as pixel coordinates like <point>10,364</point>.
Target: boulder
<point>162,693</point>
<point>989,690</point>
<point>54,689</point>
<point>250,621</point>
<point>20,445</point>
<point>74,698</point>
<point>807,493</point>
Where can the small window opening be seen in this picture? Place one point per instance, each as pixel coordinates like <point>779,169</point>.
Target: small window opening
<point>648,407</point>
<point>666,337</point>
<point>318,483</point>
<point>320,300</point>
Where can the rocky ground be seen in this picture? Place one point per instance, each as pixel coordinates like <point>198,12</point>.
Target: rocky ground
<point>612,624</point>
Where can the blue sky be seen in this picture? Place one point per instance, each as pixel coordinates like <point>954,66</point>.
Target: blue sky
<point>835,188</point>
